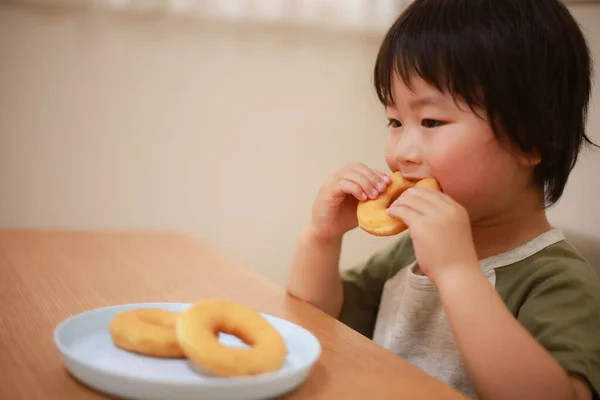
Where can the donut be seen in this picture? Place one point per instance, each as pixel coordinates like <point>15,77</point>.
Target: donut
<point>371,214</point>
<point>198,333</point>
<point>147,331</point>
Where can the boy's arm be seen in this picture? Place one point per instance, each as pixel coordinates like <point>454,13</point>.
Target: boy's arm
<point>503,360</point>
<point>351,295</point>
<point>314,275</point>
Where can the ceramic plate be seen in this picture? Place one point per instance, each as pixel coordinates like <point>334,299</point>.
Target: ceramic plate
<point>92,358</point>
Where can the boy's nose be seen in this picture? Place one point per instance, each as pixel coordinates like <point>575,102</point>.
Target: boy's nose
<point>408,151</point>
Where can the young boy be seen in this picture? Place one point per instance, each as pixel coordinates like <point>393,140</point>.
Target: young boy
<point>489,97</point>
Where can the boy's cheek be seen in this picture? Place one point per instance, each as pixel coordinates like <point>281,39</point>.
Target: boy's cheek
<point>470,183</point>
<point>390,155</point>
<point>391,161</point>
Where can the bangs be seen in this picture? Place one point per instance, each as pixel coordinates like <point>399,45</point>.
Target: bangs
<point>435,46</point>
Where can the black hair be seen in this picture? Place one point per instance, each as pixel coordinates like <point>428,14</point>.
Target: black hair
<point>525,62</point>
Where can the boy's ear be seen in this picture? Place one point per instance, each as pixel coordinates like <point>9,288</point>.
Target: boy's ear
<point>529,160</point>
<point>526,159</point>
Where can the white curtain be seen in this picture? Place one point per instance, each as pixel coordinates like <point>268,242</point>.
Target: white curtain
<point>359,14</point>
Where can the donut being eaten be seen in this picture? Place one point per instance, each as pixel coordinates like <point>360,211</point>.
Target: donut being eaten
<point>372,214</point>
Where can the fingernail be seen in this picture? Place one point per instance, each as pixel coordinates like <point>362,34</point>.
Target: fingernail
<point>387,179</point>
<point>381,186</point>
<point>374,193</point>
<point>363,196</point>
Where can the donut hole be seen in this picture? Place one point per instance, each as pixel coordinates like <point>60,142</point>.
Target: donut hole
<point>156,320</point>
<point>246,336</point>
<point>394,197</point>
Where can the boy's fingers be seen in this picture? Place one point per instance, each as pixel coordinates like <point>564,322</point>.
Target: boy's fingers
<point>420,200</point>
<point>352,188</point>
<point>374,177</point>
<point>384,177</point>
<point>404,213</point>
<point>363,181</point>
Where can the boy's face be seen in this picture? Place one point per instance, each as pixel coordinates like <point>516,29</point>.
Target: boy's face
<point>432,136</point>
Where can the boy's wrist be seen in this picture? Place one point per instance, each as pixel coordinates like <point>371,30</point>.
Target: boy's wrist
<point>314,235</point>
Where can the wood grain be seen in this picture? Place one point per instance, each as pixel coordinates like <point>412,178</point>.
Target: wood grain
<point>46,277</point>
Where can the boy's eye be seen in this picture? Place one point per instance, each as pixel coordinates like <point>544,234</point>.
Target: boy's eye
<point>431,123</point>
<point>394,123</point>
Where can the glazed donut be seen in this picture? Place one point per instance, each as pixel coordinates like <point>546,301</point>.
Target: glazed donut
<point>198,332</point>
<point>371,214</point>
<point>146,331</point>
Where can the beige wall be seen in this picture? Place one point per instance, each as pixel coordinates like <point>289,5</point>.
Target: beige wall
<point>126,122</point>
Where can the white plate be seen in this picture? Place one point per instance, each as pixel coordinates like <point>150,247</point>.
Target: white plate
<point>92,358</point>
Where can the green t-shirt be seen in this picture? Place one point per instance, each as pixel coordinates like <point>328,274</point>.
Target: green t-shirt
<point>547,286</point>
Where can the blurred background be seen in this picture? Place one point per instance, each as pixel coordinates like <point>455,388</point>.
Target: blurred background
<point>218,118</point>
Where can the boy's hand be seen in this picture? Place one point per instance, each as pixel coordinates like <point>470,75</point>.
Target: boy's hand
<point>440,230</point>
<point>334,210</point>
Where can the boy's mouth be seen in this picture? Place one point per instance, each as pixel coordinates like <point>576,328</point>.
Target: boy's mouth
<point>414,179</point>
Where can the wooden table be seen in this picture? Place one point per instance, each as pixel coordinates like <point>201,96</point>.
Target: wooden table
<point>46,277</point>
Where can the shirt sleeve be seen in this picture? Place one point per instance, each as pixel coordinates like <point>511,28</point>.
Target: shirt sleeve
<point>363,284</point>
<point>562,311</point>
